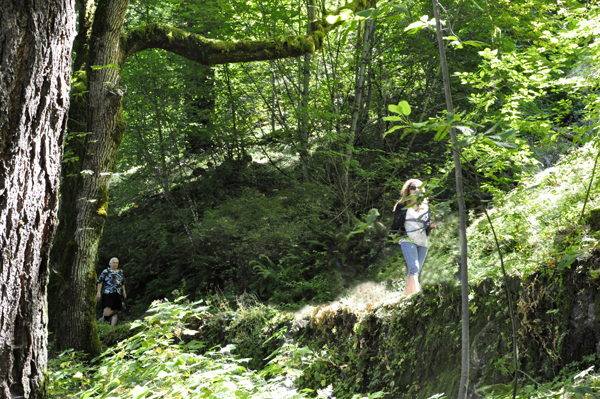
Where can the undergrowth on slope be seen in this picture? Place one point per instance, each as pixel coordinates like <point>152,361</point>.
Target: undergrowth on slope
<point>573,382</point>
<point>537,225</point>
<point>162,359</point>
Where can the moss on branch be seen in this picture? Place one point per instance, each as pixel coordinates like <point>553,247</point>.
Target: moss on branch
<point>211,52</point>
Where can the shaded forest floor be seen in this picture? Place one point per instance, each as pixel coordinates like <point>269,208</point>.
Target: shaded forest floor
<point>374,340</point>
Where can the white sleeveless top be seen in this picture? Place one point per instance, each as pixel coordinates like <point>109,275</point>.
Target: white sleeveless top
<point>415,223</point>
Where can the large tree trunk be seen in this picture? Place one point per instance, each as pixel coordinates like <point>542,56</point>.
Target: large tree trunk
<point>98,117</point>
<point>84,205</point>
<point>35,47</point>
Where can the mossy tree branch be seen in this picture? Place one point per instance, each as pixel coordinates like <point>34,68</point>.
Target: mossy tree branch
<point>212,52</point>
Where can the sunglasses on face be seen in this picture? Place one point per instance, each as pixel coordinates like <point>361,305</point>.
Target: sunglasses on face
<point>413,187</point>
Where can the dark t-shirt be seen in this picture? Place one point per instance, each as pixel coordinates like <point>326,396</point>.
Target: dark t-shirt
<point>112,281</point>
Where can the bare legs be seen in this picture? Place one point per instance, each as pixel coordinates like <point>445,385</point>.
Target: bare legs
<point>412,285</point>
<point>108,312</point>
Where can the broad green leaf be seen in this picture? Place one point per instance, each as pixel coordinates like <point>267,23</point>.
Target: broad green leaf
<point>415,27</point>
<point>365,13</point>
<point>450,38</point>
<point>393,118</point>
<point>346,14</point>
<point>404,108</point>
<point>395,109</point>
<point>502,144</point>
<point>332,19</point>
<point>400,8</point>
<point>394,128</point>
<point>506,134</point>
<point>419,125</point>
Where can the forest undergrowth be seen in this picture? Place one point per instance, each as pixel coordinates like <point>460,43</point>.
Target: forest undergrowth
<point>219,348</point>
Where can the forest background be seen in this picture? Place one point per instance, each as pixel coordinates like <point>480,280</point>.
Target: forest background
<point>251,177</point>
<point>269,177</point>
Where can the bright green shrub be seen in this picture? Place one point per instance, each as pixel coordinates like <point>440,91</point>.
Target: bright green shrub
<point>157,362</point>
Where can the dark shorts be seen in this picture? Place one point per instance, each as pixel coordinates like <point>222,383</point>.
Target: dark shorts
<point>112,301</point>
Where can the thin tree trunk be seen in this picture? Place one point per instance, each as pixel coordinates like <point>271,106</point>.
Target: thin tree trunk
<point>587,192</point>
<point>464,374</point>
<point>36,38</point>
<point>304,98</point>
<point>359,88</point>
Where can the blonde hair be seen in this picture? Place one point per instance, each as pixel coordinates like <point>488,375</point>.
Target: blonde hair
<point>406,192</point>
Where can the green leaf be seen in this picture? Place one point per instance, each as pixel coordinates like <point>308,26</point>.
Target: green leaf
<point>450,38</point>
<point>474,43</point>
<point>533,187</point>
<point>395,109</point>
<point>492,129</point>
<point>405,107</point>
<point>346,14</point>
<point>394,128</point>
<point>503,144</point>
<point>373,214</point>
<point>365,13</point>
<point>331,19</point>
<point>415,27</point>
<point>441,134</point>
<point>393,118</point>
<point>581,389</point>
<point>506,134</point>
<point>138,391</point>
<point>400,8</point>
<point>419,125</point>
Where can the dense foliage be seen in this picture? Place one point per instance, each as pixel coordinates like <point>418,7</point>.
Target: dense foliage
<point>278,178</point>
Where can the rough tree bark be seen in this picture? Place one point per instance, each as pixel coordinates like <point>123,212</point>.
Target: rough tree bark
<point>98,120</point>
<point>84,202</point>
<point>35,65</point>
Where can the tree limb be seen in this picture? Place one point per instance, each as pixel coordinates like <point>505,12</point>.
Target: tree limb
<point>212,52</point>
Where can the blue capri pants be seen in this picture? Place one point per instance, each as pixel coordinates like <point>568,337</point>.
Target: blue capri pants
<point>415,257</point>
